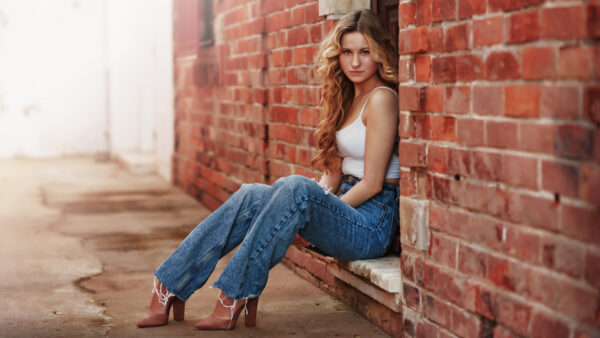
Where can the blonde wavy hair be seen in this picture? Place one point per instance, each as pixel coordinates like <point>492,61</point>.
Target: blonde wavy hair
<point>337,90</point>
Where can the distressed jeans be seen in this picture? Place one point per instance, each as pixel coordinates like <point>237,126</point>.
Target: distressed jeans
<point>265,220</point>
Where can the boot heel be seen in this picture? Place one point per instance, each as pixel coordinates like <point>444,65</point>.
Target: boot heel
<point>251,309</point>
<point>178,309</point>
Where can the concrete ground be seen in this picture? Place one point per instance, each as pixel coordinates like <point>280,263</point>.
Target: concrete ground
<point>80,239</point>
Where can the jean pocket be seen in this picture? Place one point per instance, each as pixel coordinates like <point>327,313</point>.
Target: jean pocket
<point>374,210</point>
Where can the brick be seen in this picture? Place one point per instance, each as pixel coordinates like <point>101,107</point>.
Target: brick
<point>593,19</point>
<point>284,114</point>
<point>480,299</point>
<point>487,32</point>
<point>538,138</point>
<point>465,324</point>
<point>443,10</point>
<point>435,40</point>
<point>405,126</point>
<point>592,268</point>
<point>522,244</point>
<point>590,181</point>
<point>423,68</point>
<point>487,100</point>
<point>574,142</point>
<point>406,14</point>
<point>450,221</point>
<point>450,285</point>
<point>423,12</point>
<point>423,180</point>
<point>560,178</point>
<point>468,8</point>
<point>501,134</point>
<point>434,99</point>
<point>563,255</point>
<point>487,231</point>
<point>420,123</point>
<point>405,69</point>
<point>523,27</point>
<point>410,98</point>
<point>456,37</point>
<point>414,223</point>
<point>513,314</point>
<point>522,101</point>
<point>505,274</point>
<point>576,63</point>
<point>538,63</point>
<point>591,104</point>
<point>509,5</point>
<point>501,66</point>
<point>443,128</point>
<point>412,154</point>
<point>437,158</point>
<point>458,99</point>
<point>472,261</point>
<point>547,325</point>
<point>520,171</point>
<point>426,329</point>
<point>581,223</point>
<point>407,183</point>
<point>563,22</point>
<point>470,68</point>
<point>444,69</point>
<point>559,102</point>
<point>562,294</point>
<point>442,250</point>
<point>437,311</point>
<point>411,296</point>
<point>418,39</point>
<point>487,166</point>
<point>459,162</point>
<point>470,132</point>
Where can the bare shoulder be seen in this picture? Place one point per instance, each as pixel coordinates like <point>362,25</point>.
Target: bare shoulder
<point>383,101</point>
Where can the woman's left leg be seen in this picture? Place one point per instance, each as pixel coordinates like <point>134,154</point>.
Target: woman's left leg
<point>298,204</point>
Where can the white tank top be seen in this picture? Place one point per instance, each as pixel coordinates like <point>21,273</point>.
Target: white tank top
<point>351,145</point>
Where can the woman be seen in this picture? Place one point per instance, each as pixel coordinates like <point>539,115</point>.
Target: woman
<point>357,65</point>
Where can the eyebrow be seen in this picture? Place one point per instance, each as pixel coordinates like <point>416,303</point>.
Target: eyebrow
<point>360,48</point>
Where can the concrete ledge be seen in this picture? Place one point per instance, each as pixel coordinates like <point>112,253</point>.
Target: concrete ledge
<point>384,272</point>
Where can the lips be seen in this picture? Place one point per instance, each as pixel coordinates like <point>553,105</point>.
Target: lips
<point>355,72</point>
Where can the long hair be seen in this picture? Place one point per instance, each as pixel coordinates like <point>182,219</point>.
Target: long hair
<point>337,90</point>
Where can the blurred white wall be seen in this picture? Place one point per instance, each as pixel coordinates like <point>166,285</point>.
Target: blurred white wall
<point>86,77</point>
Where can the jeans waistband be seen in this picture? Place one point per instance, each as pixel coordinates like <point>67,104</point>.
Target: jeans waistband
<point>352,180</point>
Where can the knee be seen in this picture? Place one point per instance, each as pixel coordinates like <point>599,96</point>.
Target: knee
<point>293,184</point>
<point>253,190</point>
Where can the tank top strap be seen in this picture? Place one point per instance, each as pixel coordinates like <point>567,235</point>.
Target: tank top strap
<point>369,95</point>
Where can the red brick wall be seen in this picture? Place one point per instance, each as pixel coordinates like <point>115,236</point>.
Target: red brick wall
<point>246,108</point>
<point>499,127</point>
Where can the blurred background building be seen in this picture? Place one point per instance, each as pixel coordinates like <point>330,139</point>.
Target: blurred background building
<point>87,77</point>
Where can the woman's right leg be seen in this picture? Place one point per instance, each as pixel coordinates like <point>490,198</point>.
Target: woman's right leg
<point>188,268</point>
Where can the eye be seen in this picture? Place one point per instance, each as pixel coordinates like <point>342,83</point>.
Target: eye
<point>346,51</point>
<point>364,52</point>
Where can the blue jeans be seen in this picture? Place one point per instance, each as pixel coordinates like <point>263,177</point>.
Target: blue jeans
<point>265,220</point>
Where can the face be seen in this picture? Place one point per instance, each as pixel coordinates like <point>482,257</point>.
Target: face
<point>356,60</point>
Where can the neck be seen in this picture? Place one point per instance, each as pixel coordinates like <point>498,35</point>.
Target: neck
<point>367,85</point>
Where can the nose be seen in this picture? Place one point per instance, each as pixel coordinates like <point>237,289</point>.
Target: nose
<point>355,61</point>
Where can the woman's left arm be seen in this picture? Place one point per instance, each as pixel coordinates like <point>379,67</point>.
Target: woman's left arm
<point>381,115</point>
